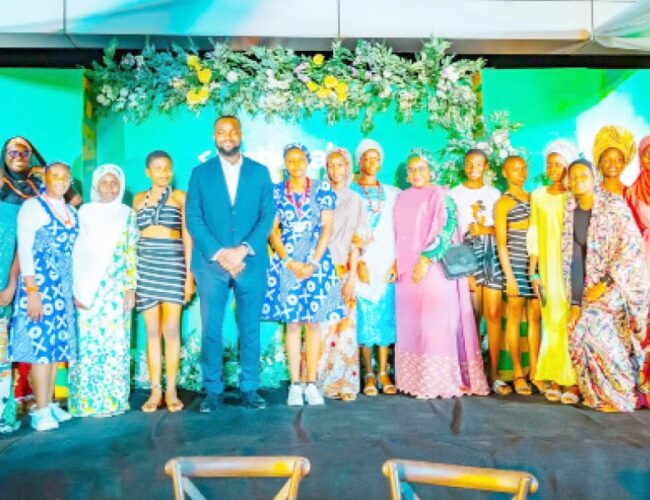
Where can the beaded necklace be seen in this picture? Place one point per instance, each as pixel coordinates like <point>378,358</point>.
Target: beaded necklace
<point>292,199</point>
<point>374,209</point>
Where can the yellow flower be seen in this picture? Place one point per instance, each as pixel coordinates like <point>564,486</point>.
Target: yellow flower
<point>341,88</point>
<point>192,97</point>
<point>312,86</point>
<point>323,93</point>
<point>319,59</point>
<point>204,75</point>
<point>192,61</point>
<point>204,93</point>
<point>330,81</point>
<point>342,96</point>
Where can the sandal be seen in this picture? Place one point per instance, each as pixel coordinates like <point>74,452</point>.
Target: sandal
<point>523,388</point>
<point>155,401</point>
<point>173,404</point>
<point>388,389</point>
<point>501,388</point>
<point>348,396</point>
<point>542,386</point>
<point>553,395</point>
<point>370,387</point>
<point>570,398</point>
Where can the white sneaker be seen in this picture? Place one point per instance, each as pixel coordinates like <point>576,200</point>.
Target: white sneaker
<point>43,420</point>
<point>295,395</point>
<point>59,414</point>
<point>313,395</point>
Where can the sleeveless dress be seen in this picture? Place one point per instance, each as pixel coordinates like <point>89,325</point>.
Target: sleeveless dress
<point>53,339</point>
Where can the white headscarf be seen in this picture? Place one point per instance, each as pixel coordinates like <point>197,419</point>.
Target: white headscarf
<point>101,225</point>
<point>564,148</point>
<point>367,145</point>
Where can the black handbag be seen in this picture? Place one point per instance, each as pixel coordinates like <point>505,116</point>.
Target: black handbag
<point>459,262</point>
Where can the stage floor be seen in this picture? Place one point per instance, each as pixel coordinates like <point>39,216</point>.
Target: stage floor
<point>574,452</point>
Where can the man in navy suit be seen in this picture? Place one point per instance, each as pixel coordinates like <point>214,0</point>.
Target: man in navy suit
<point>229,213</point>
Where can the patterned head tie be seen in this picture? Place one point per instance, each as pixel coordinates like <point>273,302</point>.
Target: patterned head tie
<point>296,145</point>
<point>54,163</point>
<point>615,137</point>
<point>423,155</point>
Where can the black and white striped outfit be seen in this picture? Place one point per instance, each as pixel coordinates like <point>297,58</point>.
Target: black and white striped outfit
<point>161,261</point>
<point>516,244</point>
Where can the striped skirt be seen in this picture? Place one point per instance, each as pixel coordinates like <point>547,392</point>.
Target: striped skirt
<point>518,261</point>
<point>161,272</point>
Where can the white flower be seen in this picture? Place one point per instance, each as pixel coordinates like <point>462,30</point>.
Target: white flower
<point>387,74</point>
<point>139,60</point>
<point>499,137</point>
<point>232,76</point>
<point>385,92</point>
<point>450,73</point>
<point>482,146</point>
<point>101,99</point>
<point>503,154</point>
<point>124,92</point>
<point>270,75</point>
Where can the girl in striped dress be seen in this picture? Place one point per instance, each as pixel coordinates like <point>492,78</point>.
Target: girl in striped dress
<point>164,280</point>
<point>512,215</point>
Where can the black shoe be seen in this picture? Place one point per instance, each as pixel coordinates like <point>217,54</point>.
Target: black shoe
<point>211,402</point>
<point>251,399</point>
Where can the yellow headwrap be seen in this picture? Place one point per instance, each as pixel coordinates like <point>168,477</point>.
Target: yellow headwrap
<point>619,138</point>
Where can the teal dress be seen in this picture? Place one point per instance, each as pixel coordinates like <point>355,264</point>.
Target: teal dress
<point>8,216</point>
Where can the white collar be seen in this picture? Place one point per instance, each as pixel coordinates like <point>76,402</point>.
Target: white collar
<point>224,161</point>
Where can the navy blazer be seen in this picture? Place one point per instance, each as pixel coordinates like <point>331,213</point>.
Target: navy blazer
<point>214,223</point>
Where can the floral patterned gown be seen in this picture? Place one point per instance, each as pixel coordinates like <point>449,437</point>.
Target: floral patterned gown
<point>99,379</point>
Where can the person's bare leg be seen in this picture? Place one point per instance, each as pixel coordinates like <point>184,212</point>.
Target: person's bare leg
<point>41,378</point>
<point>492,305</point>
<point>171,330</point>
<point>152,327</point>
<point>513,341</point>
<point>293,351</point>
<point>370,382</point>
<point>477,305</point>
<point>384,379</point>
<point>312,350</point>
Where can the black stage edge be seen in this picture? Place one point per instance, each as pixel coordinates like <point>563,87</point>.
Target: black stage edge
<point>76,58</point>
<point>574,452</point>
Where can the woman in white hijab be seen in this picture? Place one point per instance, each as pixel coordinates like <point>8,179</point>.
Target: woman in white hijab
<point>104,265</point>
<point>550,364</point>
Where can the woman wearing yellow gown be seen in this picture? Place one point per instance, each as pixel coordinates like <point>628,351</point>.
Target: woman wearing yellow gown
<point>554,368</point>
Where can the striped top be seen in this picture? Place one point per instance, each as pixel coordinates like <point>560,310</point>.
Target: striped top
<point>520,212</point>
<point>168,216</point>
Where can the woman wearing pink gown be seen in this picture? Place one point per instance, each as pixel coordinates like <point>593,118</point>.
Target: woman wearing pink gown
<point>437,353</point>
<point>638,198</point>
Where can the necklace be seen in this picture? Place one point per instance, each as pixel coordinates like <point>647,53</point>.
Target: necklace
<point>292,199</point>
<point>66,221</point>
<point>374,209</point>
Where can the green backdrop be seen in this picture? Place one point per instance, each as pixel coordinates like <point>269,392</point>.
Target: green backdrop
<point>47,105</point>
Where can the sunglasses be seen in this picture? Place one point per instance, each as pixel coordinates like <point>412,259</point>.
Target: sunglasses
<point>13,154</point>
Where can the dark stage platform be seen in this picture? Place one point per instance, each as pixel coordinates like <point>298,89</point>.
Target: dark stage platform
<point>574,452</point>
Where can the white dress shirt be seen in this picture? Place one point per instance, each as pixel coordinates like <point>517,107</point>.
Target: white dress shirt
<point>231,172</point>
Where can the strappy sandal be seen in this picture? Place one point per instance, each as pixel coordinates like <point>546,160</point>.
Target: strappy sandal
<point>542,386</point>
<point>501,388</point>
<point>173,404</point>
<point>152,404</point>
<point>522,389</point>
<point>348,396</point>
<point>370,389</point>
<point>388,389</point>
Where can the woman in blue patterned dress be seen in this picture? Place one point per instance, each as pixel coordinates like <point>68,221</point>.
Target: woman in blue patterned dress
<point>43,322</point>
<point>303,288</point>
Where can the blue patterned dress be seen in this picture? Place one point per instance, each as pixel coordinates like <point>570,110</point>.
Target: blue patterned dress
<point>53,339</point>
<point>315,299</point>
